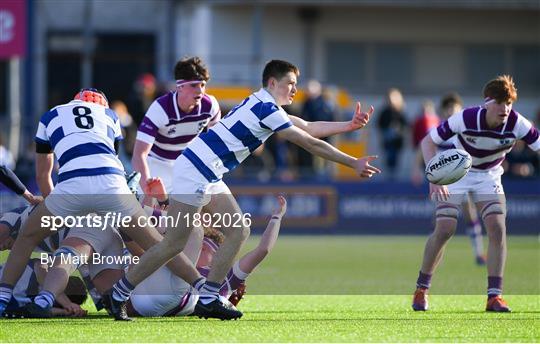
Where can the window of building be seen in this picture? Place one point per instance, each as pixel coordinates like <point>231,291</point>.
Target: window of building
<point>526,67</point>
<point>394,65</point>
<point>483,63</point>
<point>346,64</point>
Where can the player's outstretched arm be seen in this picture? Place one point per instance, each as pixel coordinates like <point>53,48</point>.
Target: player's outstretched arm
<point>328,152</point>
<point>44,167</point>
<point>268,239</point>
<point>324,129</point>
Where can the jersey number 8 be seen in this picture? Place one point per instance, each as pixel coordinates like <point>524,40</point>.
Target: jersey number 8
<point>83,119</point>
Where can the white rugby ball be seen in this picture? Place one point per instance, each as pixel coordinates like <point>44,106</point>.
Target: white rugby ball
<point>448,166</point>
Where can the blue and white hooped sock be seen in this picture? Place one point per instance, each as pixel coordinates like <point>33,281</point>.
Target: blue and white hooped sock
<point>122,290</point>
<point>209,292</point>
<point>45,299</point>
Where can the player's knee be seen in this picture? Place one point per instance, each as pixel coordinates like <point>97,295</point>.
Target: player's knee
<point>445,229</point>
<point>68,258</point>
<point>496,228</point>
<point>492,210</point>
<point>446,212</point>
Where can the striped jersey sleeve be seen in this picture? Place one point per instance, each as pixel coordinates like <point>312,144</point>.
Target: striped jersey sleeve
<point>154,119</point>
<point>528,133</point>
<point>447,129</point>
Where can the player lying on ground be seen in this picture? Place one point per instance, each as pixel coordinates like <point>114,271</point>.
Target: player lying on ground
<point>164,294</point>
<point>198,173</point>
<point>68,303</point>
<point>487,133</point>
<point>84,135</point>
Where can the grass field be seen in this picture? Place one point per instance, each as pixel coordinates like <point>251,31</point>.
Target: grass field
<point>340,289</point>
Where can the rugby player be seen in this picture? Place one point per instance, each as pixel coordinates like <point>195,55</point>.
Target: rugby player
<point>487,133</point>
<point>172,121</point>
<point>84,135</point>
<point>198,172</point>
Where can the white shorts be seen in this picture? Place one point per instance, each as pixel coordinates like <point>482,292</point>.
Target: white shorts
<point>106,242</point>
<point>482,186</point>
<point>162,292</point>
<point>92,194</point>
<point>191,187</point>
<point>162,169</point>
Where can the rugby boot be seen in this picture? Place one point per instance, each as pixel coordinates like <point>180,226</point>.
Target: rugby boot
<point>420,300</point>
<point>30,310</point>
<point>238,294</point>
<point>497,304</point>
<point>118,309</point>
<point>217,309</point>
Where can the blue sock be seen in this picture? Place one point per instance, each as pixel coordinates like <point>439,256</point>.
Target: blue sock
<point>209,292</point>
<point>122,290</point>
<point>45,299</point>
<point>6,291</point>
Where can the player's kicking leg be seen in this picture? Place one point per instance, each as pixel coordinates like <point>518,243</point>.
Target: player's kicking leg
<point>445,227</point>
<point>235,235</point>
<point>494,214</point>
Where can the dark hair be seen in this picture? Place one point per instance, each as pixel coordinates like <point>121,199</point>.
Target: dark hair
<point>191,68</point>
<point>76,290</point>
<point>451,99</point>
<point>278,69</point>
<point>502,89</point>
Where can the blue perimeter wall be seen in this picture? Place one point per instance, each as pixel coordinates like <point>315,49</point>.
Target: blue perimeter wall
<point>327,207</point>
<point>372,207</point>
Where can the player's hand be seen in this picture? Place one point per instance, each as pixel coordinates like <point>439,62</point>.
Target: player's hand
<point>282,207</point>
<point>438,193</point>
<point>27,195</point>
<point>364,169</point>
<point>360,119</point>
<point>154,187</point>
<point>75,310</point>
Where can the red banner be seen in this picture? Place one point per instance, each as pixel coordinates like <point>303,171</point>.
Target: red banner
<point>12,28</point>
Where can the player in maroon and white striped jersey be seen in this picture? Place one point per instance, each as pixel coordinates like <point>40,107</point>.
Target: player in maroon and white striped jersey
<point>172,121</point>
<point>487,133</point>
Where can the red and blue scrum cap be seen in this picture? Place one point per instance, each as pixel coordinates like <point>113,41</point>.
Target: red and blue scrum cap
<point>92,95</point>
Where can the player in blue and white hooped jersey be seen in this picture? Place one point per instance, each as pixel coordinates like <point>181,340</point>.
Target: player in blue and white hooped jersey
<point>487,133</point>
<point>173,121</point>
<point>199,170</point>
<point>83,135</point>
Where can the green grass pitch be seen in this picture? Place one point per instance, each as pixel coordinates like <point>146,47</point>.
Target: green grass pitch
<point>339,289</point>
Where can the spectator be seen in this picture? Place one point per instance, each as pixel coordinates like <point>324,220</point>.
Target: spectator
<point>129,132</point>
<point>317,107</point>
<point>522,162</point>
<point>426,120</point>
<point>145,92</point>
<point>6,158</point>
<point>392,126</point>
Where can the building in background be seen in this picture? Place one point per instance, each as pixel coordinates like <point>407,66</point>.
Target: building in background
<point>425,48</point>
